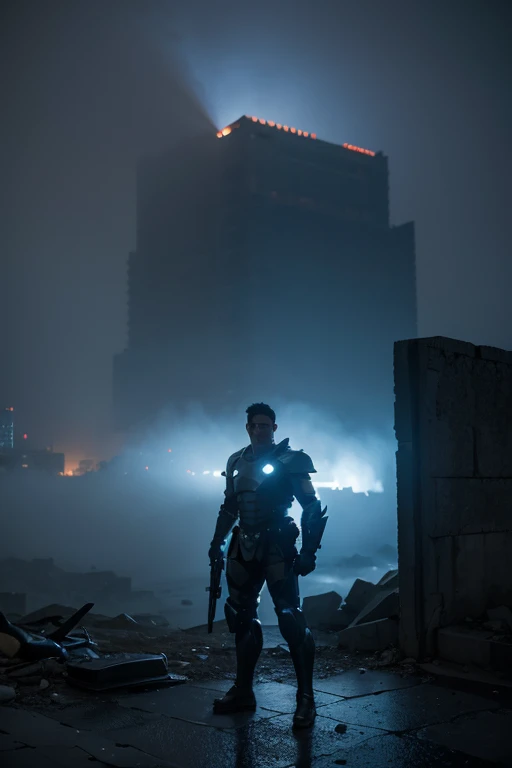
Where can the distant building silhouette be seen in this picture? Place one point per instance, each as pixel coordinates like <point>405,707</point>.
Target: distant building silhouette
<point>7,429</point>
<point>16,453</point>
<point>265,267</point>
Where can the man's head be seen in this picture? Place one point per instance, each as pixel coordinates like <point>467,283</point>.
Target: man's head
<point>261,424</point>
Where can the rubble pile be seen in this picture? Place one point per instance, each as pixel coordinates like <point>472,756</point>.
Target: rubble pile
<point>44,652</point>
<point>367,618</point>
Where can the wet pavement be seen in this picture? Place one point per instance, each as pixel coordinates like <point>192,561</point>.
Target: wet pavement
<point>374,719</point>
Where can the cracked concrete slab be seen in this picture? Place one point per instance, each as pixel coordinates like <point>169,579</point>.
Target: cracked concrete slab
<point>194,703</point>
<point>354,683</point>
<point>274,743</point>
<point>191,704</point>
<point>399,752</point>
<point>63,757</point>
<point>279,697</point>
<point>407,709</point>
<point>74,757</point>
<point>98,715</point>
<point>7,742</point>
<point>37,731</point>
<point>184,744</point>
<point>26,758</point>
<point>482,734</point>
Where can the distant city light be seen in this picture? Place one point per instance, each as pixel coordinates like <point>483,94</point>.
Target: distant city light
<point>217,473</point>
<point>229,128</point>
<point>146,468</point>
<point>359,149</point>
<point>206,472</point>
<point>169,450</point>
<point>25,436</point>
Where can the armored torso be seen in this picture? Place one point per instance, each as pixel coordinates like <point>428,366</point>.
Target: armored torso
<point>262,485</point>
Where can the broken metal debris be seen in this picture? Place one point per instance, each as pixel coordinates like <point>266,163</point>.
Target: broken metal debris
<point>124,670</point>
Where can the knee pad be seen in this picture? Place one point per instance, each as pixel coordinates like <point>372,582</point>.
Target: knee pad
<point>238,616</point>
<point>292,624</point>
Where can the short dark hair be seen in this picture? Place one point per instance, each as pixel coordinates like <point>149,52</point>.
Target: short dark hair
<point>260,408</point>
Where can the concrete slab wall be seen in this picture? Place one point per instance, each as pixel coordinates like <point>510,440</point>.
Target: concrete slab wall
<point>453,423</point>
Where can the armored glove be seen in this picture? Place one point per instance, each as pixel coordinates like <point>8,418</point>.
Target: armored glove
<point>225,521</point>
<point>215,553</point>
<point>305,563</point>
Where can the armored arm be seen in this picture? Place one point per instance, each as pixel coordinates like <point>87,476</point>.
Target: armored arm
<point>226,519</point>
<point>313,519</point>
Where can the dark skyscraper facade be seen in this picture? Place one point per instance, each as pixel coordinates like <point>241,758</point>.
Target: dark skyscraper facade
<point>265,268</point>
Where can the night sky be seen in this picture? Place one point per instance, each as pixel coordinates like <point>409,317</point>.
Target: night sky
<point>88,87</point>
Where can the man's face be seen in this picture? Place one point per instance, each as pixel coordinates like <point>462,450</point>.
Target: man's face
<point>261,430</point>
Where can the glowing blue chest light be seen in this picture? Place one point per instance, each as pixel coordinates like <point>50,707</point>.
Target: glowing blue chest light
<point>268,469</point>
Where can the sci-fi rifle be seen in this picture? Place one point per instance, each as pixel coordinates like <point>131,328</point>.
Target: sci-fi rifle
<point>215,589</point>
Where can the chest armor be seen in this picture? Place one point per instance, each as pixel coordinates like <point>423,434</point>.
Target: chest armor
<point>263,490</point>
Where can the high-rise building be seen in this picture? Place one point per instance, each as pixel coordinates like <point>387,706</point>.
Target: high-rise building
<point>7,429</point>
<point>265,267</point>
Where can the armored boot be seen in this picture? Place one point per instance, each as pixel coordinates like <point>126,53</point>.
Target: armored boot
<point>303,657</point>
<point>302,650</point>
<point>240,697</point>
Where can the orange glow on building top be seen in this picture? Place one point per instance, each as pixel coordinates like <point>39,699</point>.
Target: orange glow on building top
<point>287,129</point>
<point>359,149</point>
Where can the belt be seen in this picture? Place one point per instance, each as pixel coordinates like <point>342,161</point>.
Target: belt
<point>271,524</point>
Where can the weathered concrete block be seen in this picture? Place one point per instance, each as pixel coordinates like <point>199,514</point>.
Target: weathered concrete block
<point>360,594</point>
<point>502,613</point>
<point>408,566</point>
<point>384,605</point>
<point>493,429</point>
<point>405,385</point>
<point>341,618</point>
<point>371,636</point>
<point>495,354</point>
<point>464,646</point>
<point>321,610</point>
<point>454,470</point>
<point>449,346</point>
<point>448,420</point>
<point>389,580</point>
<point>473,572</point>
<point>472,505</point>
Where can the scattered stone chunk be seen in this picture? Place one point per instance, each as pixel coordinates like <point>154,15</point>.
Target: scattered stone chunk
<point>372,636</point>
<point>502,613</point>
<point>384,605</point>
<point>389,580</point>
<point>7,694</point>
<point>360,594</point>
<point>320,610</point>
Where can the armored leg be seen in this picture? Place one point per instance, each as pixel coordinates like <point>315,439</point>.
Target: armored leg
<point>241,610</point>
<point>293,627</point>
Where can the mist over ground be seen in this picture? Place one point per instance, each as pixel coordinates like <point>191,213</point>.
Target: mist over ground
<point>155,524</point>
